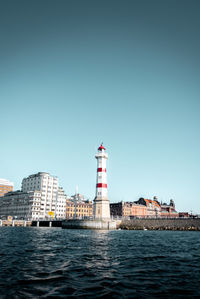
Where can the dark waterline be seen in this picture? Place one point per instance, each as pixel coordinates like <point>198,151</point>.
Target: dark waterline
<point>50,263</point>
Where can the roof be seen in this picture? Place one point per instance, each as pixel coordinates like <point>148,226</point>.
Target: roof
<point>101,147</point>
<point>153,202</point>
<point>5,182</point>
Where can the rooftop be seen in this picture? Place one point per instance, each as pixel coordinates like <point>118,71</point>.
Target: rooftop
<point>101,147</point>
<point>5,182</point>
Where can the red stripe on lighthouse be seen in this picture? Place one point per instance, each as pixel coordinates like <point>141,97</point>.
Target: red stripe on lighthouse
<point>101,169</point>
<point>101,185</point>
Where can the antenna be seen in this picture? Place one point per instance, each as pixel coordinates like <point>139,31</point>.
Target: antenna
<point>76,191</point>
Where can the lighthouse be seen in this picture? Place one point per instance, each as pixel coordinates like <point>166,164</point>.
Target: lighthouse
<point>101,202</point>
<point>101,206</point>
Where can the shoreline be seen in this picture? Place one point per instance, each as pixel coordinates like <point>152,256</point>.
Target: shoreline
<point>177,224</point>
<point>184,224</point>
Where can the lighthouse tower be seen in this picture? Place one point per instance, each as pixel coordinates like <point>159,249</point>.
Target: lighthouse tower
<point>101,202</point>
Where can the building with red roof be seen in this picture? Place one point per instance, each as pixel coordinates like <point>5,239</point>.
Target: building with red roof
<point>153,207</point>
<point>128,209</point>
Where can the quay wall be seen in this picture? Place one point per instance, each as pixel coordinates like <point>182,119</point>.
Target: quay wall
<point>15,223</point>
<point>47,223</point>
<point>25,223</point>
<point>89,224</point>
<point>161,224</point>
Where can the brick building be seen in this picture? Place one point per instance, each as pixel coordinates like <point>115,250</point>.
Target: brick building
<point>168,211</point>
<point>144,208</point>
<point>184,214</point>
<point>153,207</point>
<point>127,209</point>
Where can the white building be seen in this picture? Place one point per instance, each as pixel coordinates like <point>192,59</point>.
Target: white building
<point>53,198</point>
<point>21,205</point>
<point>61,204</point>
<point>48,186</point>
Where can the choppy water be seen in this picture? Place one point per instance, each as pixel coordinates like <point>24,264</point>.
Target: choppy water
<point>51,263</point>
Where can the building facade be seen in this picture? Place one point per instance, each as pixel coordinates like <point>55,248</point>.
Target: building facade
<point>183,215</point>
<point>51,196</point>
<point>144,208</point>
<point>128,209</point>
<point>153,207</point>
<point>79,209</point>
<point>5,187</point>
<point>60,211</point>
<point>168,210</point>
<point>21,205</point>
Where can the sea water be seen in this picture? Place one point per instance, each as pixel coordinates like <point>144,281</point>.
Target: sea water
<point>51,263</point>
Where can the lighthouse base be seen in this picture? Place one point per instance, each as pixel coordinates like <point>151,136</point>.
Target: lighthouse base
<point>101,208</point>
<point>89,224</point>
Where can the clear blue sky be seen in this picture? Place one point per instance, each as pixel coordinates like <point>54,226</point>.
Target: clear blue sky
<point>75,73</point>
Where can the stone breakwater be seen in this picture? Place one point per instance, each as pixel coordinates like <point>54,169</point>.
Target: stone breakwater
<point>161,224</point>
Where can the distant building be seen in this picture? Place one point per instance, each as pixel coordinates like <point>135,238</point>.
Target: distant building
<point>145,208</point>
<point>128,209</point>
<point>78,209</point>
<point>153,207</point>
<point>21,205</point>
<point>5,187</point>
<point>183,214</point>
<point>78,197</point>
<point>168,211</point>
<point>61,204</point>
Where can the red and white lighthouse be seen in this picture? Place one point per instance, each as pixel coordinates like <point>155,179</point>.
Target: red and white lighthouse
<point>101,202</point>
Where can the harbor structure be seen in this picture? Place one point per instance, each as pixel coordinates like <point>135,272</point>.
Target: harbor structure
<point>101,216</point>
<point>101,201</point>
<point>5,186</point>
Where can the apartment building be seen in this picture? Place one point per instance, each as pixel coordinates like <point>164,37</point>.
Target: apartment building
<point>61,204</point>
<point>79,209</point>
<point>48,186</point>
<point>5,186</point>
<point>21,205</point>
<point>40,195</point>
